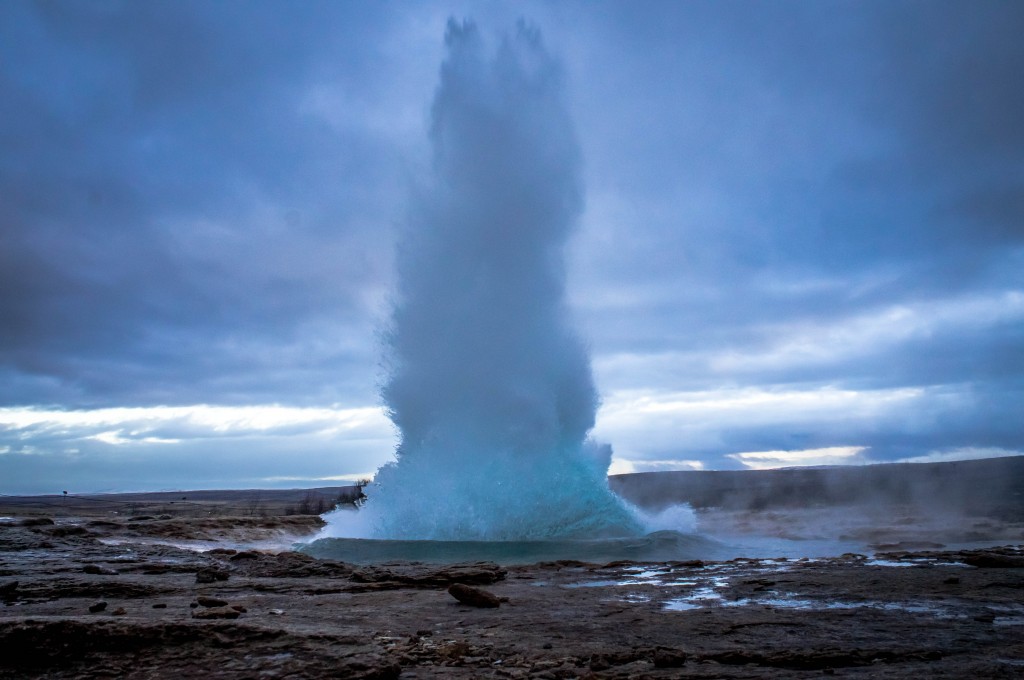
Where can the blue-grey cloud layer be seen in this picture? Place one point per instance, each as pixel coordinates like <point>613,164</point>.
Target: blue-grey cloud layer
<point>197,203</point>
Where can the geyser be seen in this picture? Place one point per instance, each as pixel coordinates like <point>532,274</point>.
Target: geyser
<point>487,382</point>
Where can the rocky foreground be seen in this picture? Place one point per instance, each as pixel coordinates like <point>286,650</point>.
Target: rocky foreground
<point>98,598</point>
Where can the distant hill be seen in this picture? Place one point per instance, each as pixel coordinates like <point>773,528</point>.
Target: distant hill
<point>990,487</point>
<point>192,503</point>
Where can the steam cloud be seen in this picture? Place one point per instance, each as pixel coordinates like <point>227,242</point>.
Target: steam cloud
<point>489,385</point>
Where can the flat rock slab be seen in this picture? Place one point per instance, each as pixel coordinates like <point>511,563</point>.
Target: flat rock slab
<point>98,570</point>
<point>216,613</point>
<point>474,597</point>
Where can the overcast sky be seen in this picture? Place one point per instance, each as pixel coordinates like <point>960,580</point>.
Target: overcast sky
<point>803,240</point>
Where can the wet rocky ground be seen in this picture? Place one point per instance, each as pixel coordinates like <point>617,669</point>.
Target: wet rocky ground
<point>100,598</point>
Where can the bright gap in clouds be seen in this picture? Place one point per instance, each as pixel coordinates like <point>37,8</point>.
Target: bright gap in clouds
<point>962,453</point>
<point>832,455</point>
<point>172,424</point>
<point>800,344</point>
<point>653,430</point>
<point>189,447</point>
<point>623,466</point>
<point>628,415</point>
<point>785,350</point>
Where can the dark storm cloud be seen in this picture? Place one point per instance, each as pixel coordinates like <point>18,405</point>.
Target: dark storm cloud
<point>176,214</point>
<point>197,199</point>
<point>807,140</point>
<point>819,195</point>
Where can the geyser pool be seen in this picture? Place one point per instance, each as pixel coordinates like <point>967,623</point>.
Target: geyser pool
<point>487,382</point>
<point>659,546</point>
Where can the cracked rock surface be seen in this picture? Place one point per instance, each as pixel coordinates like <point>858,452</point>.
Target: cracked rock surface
<point>935,614</point>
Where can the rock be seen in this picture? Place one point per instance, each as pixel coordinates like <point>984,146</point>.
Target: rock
<point>820,659</point>
<point>141,518</point>
<point>276,612</point>
<point>286,565</point>
<point>369,668</point>
<point>160,605</point>
<point>103,524</point>
<point>474,597</point>
<point>600,662</point>
<point>635,669</point>
<point>216,613</point>
<point>239,608</point>
<point>991,560</point>
<point>618,564</point>
<point>453,649</point>
<point>689,564</point>
<point>62,531</point>
<point>120,611</point>
<point>245,555</point>
<point>98,607</point>
<point>666,657</point>
<point>952,580</point>
<point>97,569</point>
<point>36,522</point>
<point>349,640</point>
<point>426,576</point>
<point>211,574</point>
<point>205,601</point>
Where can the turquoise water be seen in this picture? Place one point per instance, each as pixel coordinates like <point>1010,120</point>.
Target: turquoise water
<point>659,546</point>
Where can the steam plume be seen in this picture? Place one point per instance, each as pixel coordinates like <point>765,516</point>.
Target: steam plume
<point>489,385</point>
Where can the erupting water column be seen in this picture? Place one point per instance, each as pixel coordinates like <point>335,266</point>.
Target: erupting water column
<point>487,382</point>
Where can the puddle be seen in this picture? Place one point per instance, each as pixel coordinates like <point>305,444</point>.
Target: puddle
<point>708,597</point>
<point>891,563</point>
<point>698,599</point>
<point>200,546</point>
<point>915,562</point>
<point>709,586</point>
<point>779,603</point>
<point>642,573</point>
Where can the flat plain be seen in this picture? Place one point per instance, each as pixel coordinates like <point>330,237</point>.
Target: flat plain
<point>140,588</point>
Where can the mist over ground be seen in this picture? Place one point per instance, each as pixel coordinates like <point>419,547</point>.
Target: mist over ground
<point>982,487</point>
<point>871,507</point>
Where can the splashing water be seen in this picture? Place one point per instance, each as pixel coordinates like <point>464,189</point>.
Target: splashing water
<point>488,384</point>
